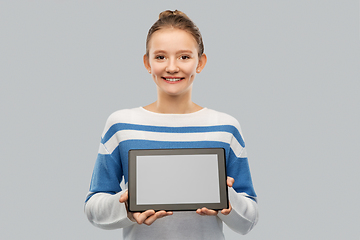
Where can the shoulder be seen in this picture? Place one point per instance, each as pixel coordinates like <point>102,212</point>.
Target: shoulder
<point>230,123</point>
<point>222,118</point>
<point>122,116</point>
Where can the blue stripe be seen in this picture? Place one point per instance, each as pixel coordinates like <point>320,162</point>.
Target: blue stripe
<point>92,193</point>
<point>107,174</point>
<point>238,168</point>
<point>218,128</point>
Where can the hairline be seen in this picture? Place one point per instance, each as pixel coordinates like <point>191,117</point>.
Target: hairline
<point>169,26</point>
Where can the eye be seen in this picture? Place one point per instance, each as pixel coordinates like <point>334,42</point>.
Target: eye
<point>185,57</point>
<point>160,57</point>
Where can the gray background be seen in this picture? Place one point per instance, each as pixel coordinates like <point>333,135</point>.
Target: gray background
<point>287,70</point>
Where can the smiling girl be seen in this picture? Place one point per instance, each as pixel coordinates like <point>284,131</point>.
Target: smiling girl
<point>174,55</point>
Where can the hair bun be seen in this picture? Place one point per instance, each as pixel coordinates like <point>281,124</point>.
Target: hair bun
<point>168,13</point>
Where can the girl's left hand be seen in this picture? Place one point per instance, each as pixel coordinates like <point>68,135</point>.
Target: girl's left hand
<point>208,212</point>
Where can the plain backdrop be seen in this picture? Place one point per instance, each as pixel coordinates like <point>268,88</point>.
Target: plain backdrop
<point>289,71</point>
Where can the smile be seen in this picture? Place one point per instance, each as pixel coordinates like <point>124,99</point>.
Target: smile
<point>172,79</point>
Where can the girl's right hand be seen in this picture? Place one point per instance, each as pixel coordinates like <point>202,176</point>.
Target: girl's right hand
<point>147,217</point>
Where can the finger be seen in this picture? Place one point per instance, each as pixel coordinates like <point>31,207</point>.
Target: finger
<point>168,213</point>
<point>230,181</point>
<point>136,216</point>
<point>162,213</point>
<point>204,211</point>
<point>124,197</point>
<point>157,215</point>
<point>150,220</point>
<point>141,217</point>
<point>227,211</point>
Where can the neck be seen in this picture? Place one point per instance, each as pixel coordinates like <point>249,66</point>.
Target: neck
<point>173,104</point>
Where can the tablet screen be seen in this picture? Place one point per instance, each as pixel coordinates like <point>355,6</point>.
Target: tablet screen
<point>176,179</point>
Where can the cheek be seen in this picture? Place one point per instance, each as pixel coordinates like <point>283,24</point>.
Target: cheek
<point>191,69</point>
<point>156,69</point>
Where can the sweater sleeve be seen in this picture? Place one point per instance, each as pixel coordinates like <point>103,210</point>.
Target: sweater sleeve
<point>244,214</point>
<point>105,211</point>
<point>102,206</point>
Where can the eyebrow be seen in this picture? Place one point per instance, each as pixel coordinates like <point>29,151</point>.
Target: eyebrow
<point>184,51</point>
<point>159,51</point>
<point>180,51</point>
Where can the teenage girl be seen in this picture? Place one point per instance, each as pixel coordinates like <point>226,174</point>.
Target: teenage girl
<point>174,55</point>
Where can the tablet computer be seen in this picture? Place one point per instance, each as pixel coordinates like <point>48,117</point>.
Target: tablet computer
<point>177,179</point>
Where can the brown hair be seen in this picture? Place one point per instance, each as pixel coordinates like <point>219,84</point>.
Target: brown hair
<point>179,20</point>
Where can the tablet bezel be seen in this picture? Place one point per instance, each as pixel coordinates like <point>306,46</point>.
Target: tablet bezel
<point>132,203</point>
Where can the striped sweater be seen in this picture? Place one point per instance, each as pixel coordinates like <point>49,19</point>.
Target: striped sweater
<point>141,129</point>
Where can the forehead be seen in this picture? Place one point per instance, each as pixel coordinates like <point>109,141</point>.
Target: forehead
<point>171,39</point>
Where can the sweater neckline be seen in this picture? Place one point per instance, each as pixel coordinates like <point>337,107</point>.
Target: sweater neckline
<point>173,114</point>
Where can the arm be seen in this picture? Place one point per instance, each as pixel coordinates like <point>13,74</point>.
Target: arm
<point>244,214</point>
<point>105,206</point>
<point>242,196</point>
<point>105,211</point>
<point>102,205</point>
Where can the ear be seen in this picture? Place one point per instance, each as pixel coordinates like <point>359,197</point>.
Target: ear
<point>202,63</point>
<point>147,63</point>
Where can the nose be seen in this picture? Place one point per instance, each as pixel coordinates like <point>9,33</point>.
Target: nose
<point>172,66</point>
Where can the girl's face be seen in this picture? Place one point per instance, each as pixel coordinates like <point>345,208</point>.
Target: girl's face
<point>173,61</point>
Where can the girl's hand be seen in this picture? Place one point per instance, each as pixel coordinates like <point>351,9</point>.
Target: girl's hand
<point>147,217</point>
<point>208,212</point>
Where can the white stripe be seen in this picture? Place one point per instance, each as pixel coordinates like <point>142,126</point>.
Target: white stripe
<point>140,116</point>
<point>123,185</point>
<point>124,135</point>
<point>102,149</point>
<point>237,148</point>
<point>243,153</point>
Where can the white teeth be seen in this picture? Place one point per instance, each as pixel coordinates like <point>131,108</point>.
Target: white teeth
<point>173,79</point>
